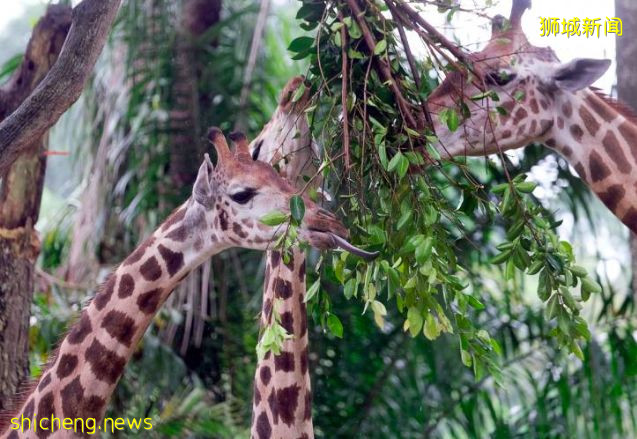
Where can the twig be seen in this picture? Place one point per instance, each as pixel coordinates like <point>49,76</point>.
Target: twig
<point>442,40</point>
<point>410,60</point>
<point>385,69</point>
<point>92,20</point>
<point>344,77</point>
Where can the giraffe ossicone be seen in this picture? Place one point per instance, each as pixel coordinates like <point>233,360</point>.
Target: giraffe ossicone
<point>224,211</point>
<point>542,100</point>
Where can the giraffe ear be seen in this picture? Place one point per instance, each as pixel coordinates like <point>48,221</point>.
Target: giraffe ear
<point>580,73</point>
<point>203,191</point>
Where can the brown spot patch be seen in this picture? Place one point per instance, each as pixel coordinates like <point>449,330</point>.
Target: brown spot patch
<point>174,260</point>
<point>175,217</point>
<point>223,219</point>
<point>534,106</point>
<point>567,109</point>
<point>284,362</point>
<point>282,288</point>
<point>80,330</point>
<point>545,126</point>
<point>506,134</point>
<point>612,196</point>
<point>275,258</point>
<point>303,315</point>
<point>589,121</point>
<point>238,230</point>
<point>106,291</point>
<point>302,271</point>
<point>119,326</point>
<point>66,365</point>
<point>46,408</point>
<point>287,400</point>
<point>551,143</point>
<point>150,269</point>
<point>28,409</point>
<point>149,301</point>
<point>520,114</point>
<point>308,405</point>
<point>598,106</point>
<point>265,375</point>
<point>544,104</point>
<point>287,321</point>
<point>560,123</point>
<point>264,429</point>
<point>629,133</point>
<point>45,381</point>
<point>106,365</point>
<point>179,234</point>
<point>303,361</point>
<point>616,153</point>
<point>256,398</point>
<point>630,219</point>
<point>533,126</point>
<point>567,151</point>
<point>576,132</point>
<point>75,405</point>
<point>126,286</point>
<point>599,170</point>
<point>580,170</point>
<point>140,251</point>
<point>267,308</point>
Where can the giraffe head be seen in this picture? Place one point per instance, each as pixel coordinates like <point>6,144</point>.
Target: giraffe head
<point>231,198</point>
<point>533,88</point>
<point>286,141</point>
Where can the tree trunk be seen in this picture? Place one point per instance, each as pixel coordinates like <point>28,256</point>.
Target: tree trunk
<point>20,195</point>
<point>198,16</point>
<point>626,55</point>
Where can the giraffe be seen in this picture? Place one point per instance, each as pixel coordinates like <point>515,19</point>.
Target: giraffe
<point>279,380</point>
<point>548,102</point>
<point>223,211</point>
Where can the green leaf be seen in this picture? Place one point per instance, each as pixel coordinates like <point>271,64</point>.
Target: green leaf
<point>301,44</point>
<point>431,328</point>
<point>380,47</point>
<point>466,358</point>
<point>298,93</point>
<point>590,286</point>
<point>526,186</point>
<point>311,292</point>
<point>335,326</point>
<point>297,208</point>
<point>274,218</point>
<point>399,163</point>
<point>414,319</point>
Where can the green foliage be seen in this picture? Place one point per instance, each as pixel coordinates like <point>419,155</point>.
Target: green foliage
<point>416,218</point>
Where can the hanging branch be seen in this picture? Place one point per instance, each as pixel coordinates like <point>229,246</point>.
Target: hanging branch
<point>63,85</point>
<point>383,66</point>
<point>344,81</point>
<point>410,60</point>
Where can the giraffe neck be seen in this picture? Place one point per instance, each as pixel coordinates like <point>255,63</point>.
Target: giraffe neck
<point>91,358</point>
<point>601,144</point>
<point>282,400</point>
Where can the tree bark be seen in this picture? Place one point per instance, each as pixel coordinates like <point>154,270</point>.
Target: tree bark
<point>63,85</point>
<point>626,56</point>
<point>198,16</point>
<point>20,195</point>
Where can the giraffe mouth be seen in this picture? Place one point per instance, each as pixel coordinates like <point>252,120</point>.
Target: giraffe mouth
<point>345,245</point>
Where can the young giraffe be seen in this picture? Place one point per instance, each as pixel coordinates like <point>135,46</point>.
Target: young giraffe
<point>223,211</point>
<point>282,398</point>
<point>597,135</point>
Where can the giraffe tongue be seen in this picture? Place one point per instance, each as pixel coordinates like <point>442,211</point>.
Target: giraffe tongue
<point>340,242</point>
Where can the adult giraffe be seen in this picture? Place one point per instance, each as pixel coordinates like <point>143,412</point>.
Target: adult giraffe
<point>279,381</point>
<point>549,102</point>
<point>224,210</point>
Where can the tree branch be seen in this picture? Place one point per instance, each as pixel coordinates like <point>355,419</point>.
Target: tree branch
<point>344,80</point>
<point>385,69</point>
<point>63,85</point>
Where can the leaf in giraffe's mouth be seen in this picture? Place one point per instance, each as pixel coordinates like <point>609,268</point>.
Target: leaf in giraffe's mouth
<point>342,243</point>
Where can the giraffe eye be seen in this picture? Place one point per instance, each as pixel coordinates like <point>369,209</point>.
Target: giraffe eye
<point>242,197</point>
<point>500,78</point>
